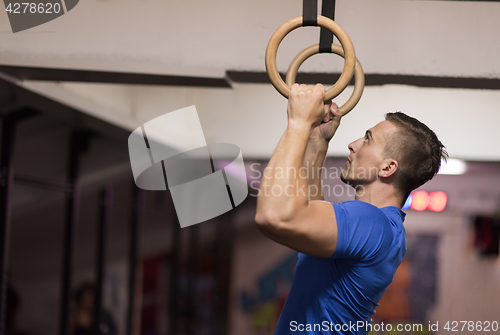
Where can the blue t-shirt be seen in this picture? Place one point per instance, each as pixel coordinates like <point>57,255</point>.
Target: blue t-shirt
<point>338,295</point>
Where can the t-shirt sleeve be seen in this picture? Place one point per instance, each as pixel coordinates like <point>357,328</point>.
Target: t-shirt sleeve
<point>364,232</point>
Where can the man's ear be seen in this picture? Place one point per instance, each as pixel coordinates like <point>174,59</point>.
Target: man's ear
<point>389,167</point>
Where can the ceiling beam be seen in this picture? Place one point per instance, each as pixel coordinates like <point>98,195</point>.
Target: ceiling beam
<point>21,96</point>
<point>85,76</point>
<point>376,80</point>
<point>65,75</point>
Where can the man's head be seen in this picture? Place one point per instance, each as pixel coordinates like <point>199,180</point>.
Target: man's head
<point>401,151</point>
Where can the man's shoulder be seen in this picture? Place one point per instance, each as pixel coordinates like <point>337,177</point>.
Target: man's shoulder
<point>364,231</point>
<point>363,214</point>
<point>361,208</point>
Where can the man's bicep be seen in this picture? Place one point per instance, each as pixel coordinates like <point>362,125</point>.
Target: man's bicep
<point>312,231</point>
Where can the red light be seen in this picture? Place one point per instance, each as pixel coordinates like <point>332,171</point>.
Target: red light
<point>437,201</point>
<point>420,201</point>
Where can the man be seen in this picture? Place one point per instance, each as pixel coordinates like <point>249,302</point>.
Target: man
<point>348,252</point>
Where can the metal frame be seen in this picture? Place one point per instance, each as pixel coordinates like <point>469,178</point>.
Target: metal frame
<point>11,94</point>
<point>7,138</point>
<point>105,209</point>
<point>174,272</point>
<point>79,141</point>
<point>137,208</point>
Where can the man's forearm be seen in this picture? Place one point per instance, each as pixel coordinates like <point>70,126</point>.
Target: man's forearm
<point>314,158</point>
<point>283,189</point>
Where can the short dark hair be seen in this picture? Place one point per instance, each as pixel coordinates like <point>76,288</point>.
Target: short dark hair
<point>417,149</point>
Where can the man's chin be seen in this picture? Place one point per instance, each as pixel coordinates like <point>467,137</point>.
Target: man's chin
<point>347,180</point>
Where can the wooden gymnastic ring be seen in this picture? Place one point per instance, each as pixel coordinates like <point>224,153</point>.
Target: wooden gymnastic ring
<point>296,22</point>
<point>359,76</point>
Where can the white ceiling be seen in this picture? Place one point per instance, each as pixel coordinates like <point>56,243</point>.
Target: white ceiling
<point>201,38</point>
<point>198,37</point>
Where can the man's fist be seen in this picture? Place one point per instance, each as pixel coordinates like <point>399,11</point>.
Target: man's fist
<point>325,131</point>
<point>305,104</point>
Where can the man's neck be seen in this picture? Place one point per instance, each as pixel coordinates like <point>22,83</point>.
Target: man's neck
<point>379,195</point>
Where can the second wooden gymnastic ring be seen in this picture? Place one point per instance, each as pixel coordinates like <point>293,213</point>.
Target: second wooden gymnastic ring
<point>359,77</point>
<point>296,22</point>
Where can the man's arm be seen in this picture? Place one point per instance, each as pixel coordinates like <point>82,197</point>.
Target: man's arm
<point>314,158</point>
<point>316,149</point>
<point>284,212</point>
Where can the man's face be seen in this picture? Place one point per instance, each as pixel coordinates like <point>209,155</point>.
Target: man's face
<point>366,158</point>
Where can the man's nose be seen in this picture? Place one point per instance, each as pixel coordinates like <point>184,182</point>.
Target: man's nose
<point>352,146</point>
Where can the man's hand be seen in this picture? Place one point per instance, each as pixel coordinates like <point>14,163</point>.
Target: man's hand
<point>323,133</point>
<point>305,105</point>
